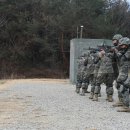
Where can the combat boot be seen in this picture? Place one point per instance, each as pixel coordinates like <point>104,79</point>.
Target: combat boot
<point>110,99</point>
<point>91,95</point>
<point>83,92</point>
<point>95,97</point>
<point>118,104</point>
<point>77,90</point>
<point>124,109</point>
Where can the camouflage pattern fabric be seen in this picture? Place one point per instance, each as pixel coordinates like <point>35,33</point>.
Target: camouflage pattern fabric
<point>95,73</point>
<point>89,70</point>
<point>81,68</point>
<point>122,79</point>
<point>105,74</point>
<point>127,83</point>
<point>82,81</point>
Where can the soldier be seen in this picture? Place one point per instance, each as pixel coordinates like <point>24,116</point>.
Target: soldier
<point>115,41</point>
<point>80,74</point>
<point>123,82</point>
<point>85,79</point>
<point>88,73</point>
<point>105,75</point>
<point>93,83</point>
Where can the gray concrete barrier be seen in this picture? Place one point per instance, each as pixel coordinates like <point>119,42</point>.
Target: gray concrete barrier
<point>77,47</point>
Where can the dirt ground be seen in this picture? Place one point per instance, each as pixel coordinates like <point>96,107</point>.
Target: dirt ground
<point>13,105</point>
<point>52,104</point>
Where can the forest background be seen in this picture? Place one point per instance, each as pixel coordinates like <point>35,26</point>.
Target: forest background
<point>35,34</point>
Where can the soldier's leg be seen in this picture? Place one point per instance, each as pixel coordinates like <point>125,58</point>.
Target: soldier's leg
<point>119,103</point>
<point>93,83</point>
<point>84,88</point>
<point>92,92</point>
<point>96,92</point>
<point>109,86</point>
<point>85,83</point>
<point>109,91</point>
<point>120,80</point>
<point>99,93</point>
<point>127,83</point>
<point>78,86</point>
<point>120,96</point>
<point>78,83</point>
<point>125,93</point>
<point>99,79</point>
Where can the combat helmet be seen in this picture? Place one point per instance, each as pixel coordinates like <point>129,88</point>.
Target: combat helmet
<point>117,37</point>
<point>124,41</point>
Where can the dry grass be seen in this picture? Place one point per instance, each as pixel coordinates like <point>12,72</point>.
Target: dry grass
<point>38,80</point>
<point>2,81</point>
<point>4,84</point>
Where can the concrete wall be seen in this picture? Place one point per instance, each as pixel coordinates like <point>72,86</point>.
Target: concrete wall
<point>77,46</point>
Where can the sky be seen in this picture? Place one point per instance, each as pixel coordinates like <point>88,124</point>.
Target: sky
<point>128,1</point>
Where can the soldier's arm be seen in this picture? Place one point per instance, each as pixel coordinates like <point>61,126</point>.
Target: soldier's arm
<point>97,59</point>
<point>85,61</point>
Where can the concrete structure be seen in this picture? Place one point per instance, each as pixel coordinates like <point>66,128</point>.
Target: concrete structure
<point>77,47</point>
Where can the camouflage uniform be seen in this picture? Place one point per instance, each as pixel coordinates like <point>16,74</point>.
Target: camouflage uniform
<point>81,68</point>
<point>95,73</point>
<point>105,75</point>
<point>116,37</point>
<point>123,82</point>
<point>88,72</point>
<point>81,83</point>
<point>115,41</point>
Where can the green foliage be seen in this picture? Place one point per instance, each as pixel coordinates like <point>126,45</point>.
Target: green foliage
<point>37,33</point>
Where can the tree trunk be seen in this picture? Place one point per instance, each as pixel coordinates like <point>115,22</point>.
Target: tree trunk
<point>65,60</point>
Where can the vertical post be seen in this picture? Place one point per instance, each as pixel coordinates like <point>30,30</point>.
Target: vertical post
<point>81,32</point>
<point>77,32</point>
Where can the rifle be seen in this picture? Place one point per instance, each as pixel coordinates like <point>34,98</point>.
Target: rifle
<point>93,50</point>
<point>106,48</point>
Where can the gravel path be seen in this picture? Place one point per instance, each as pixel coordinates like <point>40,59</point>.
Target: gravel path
<point>53,105</point>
